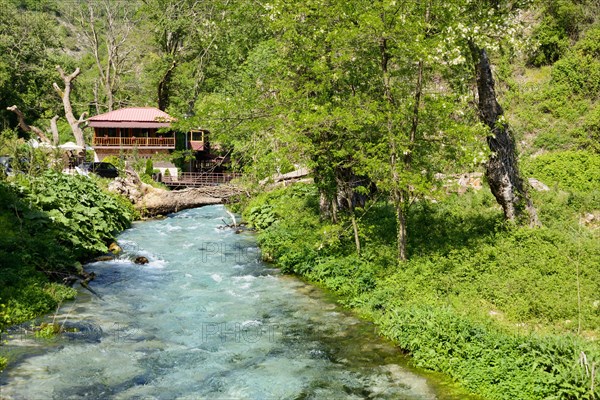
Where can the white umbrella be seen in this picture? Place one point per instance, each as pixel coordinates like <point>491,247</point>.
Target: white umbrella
<point>70,146</point>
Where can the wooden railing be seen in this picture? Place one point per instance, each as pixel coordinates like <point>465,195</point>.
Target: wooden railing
<point>196,179</point>
<point>167,142</point>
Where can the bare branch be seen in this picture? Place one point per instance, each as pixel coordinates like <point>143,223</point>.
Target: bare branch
<point>26,127</point>
<point>58,90</point>
<point>82,118</point>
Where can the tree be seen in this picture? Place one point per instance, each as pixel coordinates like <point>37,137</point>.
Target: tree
<point>26,42</point>
<point>423,128</point>
<point>65,95</point>
<point>348,85</point>
<point>37,131</point>
<point>502,170</point>
<point>483,25</point>
<point>106,27</point>
<point>184,32</point>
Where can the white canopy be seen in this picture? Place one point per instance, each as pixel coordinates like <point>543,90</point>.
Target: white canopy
<point>70,146</point>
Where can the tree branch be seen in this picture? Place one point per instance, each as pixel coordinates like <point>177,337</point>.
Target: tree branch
<point>26,127</point>
<point>54,130</point>
<point>65,77</point>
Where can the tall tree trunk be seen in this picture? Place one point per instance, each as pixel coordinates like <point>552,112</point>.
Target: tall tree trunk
<point>164,86</point>
<point>502,170</point>
<point>66,98</point>
<point>403,196</point>
<point>401,230</point>
<point>414,125</point>
<point>54,130</point>
<point>400,193</point>
<point>396,193</point>
<point>354,224</point>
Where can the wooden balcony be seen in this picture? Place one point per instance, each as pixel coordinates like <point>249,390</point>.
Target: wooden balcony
<point>133,142</point>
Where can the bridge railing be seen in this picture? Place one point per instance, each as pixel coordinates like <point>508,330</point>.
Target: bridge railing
<point>195,179</point>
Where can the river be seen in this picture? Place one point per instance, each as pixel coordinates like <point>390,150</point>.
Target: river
<point>206,319</point>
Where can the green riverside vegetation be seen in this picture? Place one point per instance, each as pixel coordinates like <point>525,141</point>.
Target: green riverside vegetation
<point>51,223</point>
<point>508,312</point>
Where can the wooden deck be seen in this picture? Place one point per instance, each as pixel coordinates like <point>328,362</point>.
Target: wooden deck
<point>198,179</point>
<point>146,142</point>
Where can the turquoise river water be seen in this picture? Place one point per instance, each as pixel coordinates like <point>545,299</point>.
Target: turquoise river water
<point>205,319</point>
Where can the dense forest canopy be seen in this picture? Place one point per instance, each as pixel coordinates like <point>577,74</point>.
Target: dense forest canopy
<point>368,94</point>
<point>264,74</point>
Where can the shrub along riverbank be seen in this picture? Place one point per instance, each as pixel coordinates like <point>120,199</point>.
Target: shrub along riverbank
<point>510,313</point>
<point>49,225</point>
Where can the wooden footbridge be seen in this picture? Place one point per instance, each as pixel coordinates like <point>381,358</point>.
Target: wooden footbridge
<point>198,179</point>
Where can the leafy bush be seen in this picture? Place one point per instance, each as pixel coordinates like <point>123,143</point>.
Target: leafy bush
<point>86,217</point>
<point>149,167</point>
<point>580,69</point>
<point>117,161</point>
<point>552,43</point>
<point>577,171</point>
<point>489,361</point>
<point>591,130</point>
<point>50,223</point>
<point>562,22</point>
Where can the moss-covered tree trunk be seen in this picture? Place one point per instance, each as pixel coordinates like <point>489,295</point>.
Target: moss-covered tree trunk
<point>502,171</point>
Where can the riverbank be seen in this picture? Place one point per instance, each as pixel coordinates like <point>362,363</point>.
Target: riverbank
<point>51,224</point>
<point>507,312</point>
<point>152,201</point>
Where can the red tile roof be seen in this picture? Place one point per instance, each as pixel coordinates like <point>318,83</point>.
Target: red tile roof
<point>144,115</point>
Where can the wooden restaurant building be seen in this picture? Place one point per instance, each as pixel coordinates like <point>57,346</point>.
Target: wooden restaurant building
<point>132,128</point>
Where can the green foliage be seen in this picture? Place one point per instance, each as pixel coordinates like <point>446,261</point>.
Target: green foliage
<point>552,44</point>
<point>50,223</point>
<point>181,157</point>
<point>87,217</point>
<point>25,159</point>
<point>26,65</point>
<point>47,331</point>
<point>580,68</point>
<point>261,217</point>
<point>591,129</point>
<point>575,171</point>
<point>149,167</point>
<point>547,115</point>
<point>147,179</point>
<point>492,362</point>
<point>562,22</point>
<point>503,310</point>
<point>274,210</point>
